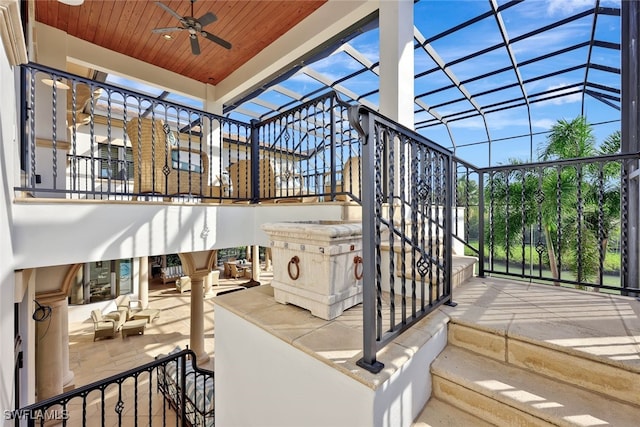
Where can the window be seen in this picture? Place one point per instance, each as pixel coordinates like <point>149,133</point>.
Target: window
<point>116,162</point>
<point>186,161</point>
<point>102,281</point>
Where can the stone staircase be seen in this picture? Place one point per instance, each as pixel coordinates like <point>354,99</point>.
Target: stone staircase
<point>484,377</point>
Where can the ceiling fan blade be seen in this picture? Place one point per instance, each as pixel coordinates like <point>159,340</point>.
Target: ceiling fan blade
<point>207,19</point>
<point>195,46</point>
<point>216,39</point>
<point>166,29</point>
<point>169,10</point>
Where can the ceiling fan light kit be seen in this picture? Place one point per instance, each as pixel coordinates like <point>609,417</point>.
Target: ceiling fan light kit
<point>72,2</point>
<point>193,26</point>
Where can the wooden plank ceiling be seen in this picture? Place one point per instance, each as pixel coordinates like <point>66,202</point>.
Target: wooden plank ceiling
<point>125,27</point>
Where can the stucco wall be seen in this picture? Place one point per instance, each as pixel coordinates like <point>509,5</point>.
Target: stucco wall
<point>8,162</point>
<point>56,233</point>
<point>263,381</point>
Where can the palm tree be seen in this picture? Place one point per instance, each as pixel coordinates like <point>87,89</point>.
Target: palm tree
<point>569,140</point>
<point>573,206</point>
<point>604,207</point>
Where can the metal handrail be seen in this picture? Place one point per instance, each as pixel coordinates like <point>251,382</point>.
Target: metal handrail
<point>493,208</point>
<point>423,190</point>
<point>59,405</point>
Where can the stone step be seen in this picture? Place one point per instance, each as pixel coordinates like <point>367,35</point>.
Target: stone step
<point>585,370</point>
<point>462,268</point>
<point>437,413</point>
<point>505,395</point>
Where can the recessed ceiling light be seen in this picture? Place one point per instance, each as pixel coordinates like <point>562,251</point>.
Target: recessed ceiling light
<point>167,36</point>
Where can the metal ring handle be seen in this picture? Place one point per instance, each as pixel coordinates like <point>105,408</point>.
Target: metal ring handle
<point>294,261</point>
<point>358,261</point>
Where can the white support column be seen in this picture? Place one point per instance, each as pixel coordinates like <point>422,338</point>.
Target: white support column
<point>196,329</point>
<point>396,61</point>
<point>255,263</point>
<point>212,144</point>
<point>396,69</point>
<point>143,282</point>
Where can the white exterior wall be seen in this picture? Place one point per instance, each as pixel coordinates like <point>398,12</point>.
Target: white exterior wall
<point>56,233</point>
<point>9,172</point>
<point>263,381</point>
<point>401,399</point>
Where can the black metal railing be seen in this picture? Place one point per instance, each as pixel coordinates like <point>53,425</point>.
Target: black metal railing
<point>552,222</point>
<point>169,151</point>
<point>112,176</point>
<point>406,229</point>
<point>309,146</point>
<point>172,386</point>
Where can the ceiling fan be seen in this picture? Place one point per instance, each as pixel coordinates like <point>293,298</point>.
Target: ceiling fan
<point>194,27</point>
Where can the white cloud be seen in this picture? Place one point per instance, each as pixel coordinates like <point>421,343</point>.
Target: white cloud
<point>543,123</point>
<point>566,7</point>
<point>561,100</point>
<point>474,123</point>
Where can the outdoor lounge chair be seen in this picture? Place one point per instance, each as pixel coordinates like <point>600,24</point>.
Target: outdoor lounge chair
<point>156,152</point>
<point>83,96</point>
<point>124,305</point>
<point>171,274</point>
<point>234,271</point>
<point>103,327</point>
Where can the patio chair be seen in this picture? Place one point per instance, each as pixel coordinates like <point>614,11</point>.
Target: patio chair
<point>102,327</point>
<point>83,96</point>
<point>183,284</point>
<point>124,305</point>
<point>214,277</point>
<point>235,272</point>
<point>156,152</point>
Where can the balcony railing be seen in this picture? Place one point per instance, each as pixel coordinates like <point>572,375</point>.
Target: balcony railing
<point>170,391</point>
<point>559,222</point>
<point>552,222</point>
<point>123,145</point>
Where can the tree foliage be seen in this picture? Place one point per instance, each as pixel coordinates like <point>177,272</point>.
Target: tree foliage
<point>572,208</point>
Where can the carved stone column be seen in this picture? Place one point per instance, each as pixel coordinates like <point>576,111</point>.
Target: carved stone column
<point>208,284</point>
<point>49,364</point>
<point>197,265</point>
<point>67,374</point>
<point>196,330</point>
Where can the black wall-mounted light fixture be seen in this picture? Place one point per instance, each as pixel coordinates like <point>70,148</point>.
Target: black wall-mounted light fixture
<point>41,313</point>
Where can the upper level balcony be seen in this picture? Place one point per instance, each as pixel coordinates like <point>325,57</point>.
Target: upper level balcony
<point>92,151</point>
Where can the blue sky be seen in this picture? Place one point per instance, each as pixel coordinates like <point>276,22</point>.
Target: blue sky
<point>434,16</point>
<point>469,136</point>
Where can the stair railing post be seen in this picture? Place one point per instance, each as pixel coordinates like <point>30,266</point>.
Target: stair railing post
<point>448,226</point>
<point>481,223</point>
<point>366,130</point>
<point>255,161</point>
